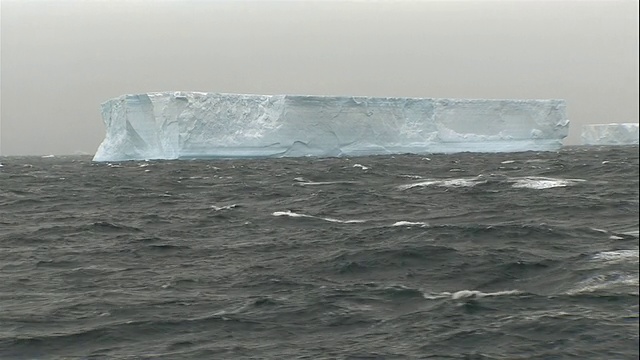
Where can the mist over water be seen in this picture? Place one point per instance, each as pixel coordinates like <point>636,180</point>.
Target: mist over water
<point>517,255</point>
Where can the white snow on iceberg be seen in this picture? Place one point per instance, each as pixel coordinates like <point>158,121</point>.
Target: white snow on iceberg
<point>610,134</point>
<point>174,125</point>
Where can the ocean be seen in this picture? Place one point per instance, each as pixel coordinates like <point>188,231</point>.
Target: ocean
<point>529,255</point>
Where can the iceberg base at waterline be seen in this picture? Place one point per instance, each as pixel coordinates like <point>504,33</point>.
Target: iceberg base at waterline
<point>179,125</point>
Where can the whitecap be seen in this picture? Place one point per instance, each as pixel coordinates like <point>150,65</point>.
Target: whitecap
<point>541,183</point>
<point>226,207</point>
<point>617,256</point>
<point>361,166</point>
<point>463,294</point>
<point>419,184</point>
<point>409,223</point>
<point>296,215</point>
<point>460,182</point>
<point>306,182</point>
<point>341,221</point>
<point>288,213</point>
<point>537,315</point>
<point>616,235</point>
<point>606,281</point>
<point>619,234</point>
<point>430,296</point>
<point>507,162</point>
<point>470,294</point>
<point>320,183</point>
<point>456,182</point>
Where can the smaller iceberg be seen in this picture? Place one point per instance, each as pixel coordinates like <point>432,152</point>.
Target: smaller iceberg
<point>610,134</point>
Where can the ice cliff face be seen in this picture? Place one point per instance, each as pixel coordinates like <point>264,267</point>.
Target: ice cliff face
<point>173,125</point>
<point>610,134</point>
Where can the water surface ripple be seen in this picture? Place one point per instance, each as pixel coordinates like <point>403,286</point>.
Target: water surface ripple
<point>466,256</point>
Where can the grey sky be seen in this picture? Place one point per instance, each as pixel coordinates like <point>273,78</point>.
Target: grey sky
<point>60,60</point>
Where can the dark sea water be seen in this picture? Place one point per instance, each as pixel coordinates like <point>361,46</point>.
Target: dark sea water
<point>465,256</point>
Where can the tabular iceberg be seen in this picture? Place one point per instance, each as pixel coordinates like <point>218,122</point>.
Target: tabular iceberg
<point>174,125</point>
<point>610,134</point>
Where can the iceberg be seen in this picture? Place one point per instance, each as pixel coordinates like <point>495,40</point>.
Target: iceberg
<point>610,134</point>
<point>179,125</point>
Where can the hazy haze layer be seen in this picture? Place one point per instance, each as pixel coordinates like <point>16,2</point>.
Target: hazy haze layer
<point>60,60</point>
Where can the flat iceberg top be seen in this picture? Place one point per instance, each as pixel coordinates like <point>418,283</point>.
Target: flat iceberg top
<point>196,94</point>
<point>173,125</point>
<point>611,134</point>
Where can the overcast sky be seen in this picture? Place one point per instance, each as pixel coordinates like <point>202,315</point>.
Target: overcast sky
<point>61,59</point>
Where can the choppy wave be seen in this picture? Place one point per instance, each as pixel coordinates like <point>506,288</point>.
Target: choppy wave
<point>409,223</point>
<point>297,215</point>
<point>528,182</point>
<point>471,294</point>
<point>612,282</point>
<point>541,183</point>
<point>617,256</point>
<point>501,256</point>
<point>459,182</point>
